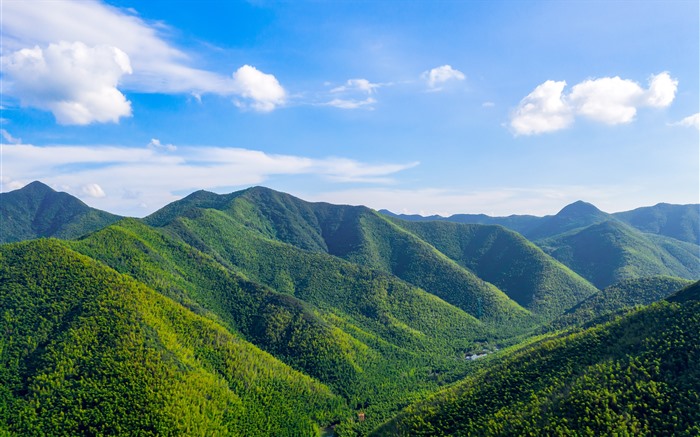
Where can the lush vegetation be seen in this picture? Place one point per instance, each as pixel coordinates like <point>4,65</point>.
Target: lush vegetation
<point>610,251</point>
<point>86,350</point>
<point>625,294</point>
<point>256,313</point>
<point>38,211</point>
<point>636,375</point>
<point>681,222</point>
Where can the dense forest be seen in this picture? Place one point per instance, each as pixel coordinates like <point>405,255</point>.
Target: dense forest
<point>257,313</point>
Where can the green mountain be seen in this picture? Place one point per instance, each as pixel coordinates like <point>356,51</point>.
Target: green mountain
<point>636,375</point>
<point>518,223</point>
<point>38,211</point>
<point>610,251</point>
<point>681,222</point>
<point>689,293</point>
<point>574,216</point>
<point>88,351</point>
<point>260,219</point>
<point>506,259</point>
<point>622,295</point>
<point>606,248</point>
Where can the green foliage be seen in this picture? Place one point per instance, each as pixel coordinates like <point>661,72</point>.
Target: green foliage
<point>636,375</point>
<point>681,222</point>
<point>507,260</point>
<point>86,350</point>
<point>38,211</point>
<point>611,251</point>
<point>691,292</point>
<point>624,294</point>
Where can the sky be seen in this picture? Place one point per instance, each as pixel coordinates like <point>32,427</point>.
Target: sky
<point>427,107</point>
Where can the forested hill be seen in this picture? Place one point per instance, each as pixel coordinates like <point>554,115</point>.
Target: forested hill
<point>607,248</point>
<point>257,313</point>
<point>636,375</point>
<point>38,211</point>
<point>461,264</point>
<point>88,351</point>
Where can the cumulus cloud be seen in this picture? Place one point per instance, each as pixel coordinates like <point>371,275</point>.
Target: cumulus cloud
<point>93,190</point>
<point>609,100</point>
<point>157,65</point>
<point>689,121</point>
<point>145,175</point>
<point>77,83</point>
<point>362,85</point>
<point>439,75</point>
<point>155,144</point>
<point>543,110</point>
<point>263,89</point>
<point>352,104</point>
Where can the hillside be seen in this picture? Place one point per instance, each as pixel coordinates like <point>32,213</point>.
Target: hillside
<point>624,294</point>
<point>91,351</point>
<point>38,211</point>
<point>263,218</point>
<point>506,259</point>
<point>636,375</point>
<point>610,251</point>
<point>681,222</point>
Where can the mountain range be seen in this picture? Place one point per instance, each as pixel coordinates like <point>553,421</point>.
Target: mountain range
<point>257,313</point>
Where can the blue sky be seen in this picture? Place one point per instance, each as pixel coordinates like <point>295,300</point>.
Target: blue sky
<point>415,106</point>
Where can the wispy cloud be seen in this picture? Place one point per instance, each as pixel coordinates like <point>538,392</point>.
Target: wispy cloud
<point>362,85</point>
<point>136,181</point>
<point>352,104</point>
<point>609,100</point>
<point>689,121</point>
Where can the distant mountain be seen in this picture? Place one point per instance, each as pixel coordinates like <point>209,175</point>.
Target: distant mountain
<point>38,211</point>
<point>506,259</point>
<point>518,223</point>
<point>574,216</point>
<point>607,248</point>
<point>611,251</point>
<point>681,222</point>
<point>636,375</point>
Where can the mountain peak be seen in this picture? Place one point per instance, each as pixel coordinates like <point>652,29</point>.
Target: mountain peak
<point>37,187</point>
<point>580,208</point>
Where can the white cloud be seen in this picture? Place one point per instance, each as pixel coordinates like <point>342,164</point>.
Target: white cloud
<point>77,83</point>
<point>352,104</point>
<point>135,176</point>
<point>543,110</point>
<point>662,90</point>
<point>9,138</point>
<point>609,100</point>
<point>263,89</point>
<point>362,85</point>
<point>155,144</point>
<point>442,74</point>
<point>488,105</point>
<point>689,121</point>
<point>93,190</point>
<point>158,66</point>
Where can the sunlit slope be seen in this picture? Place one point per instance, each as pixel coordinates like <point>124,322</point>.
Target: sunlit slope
<point>636,375</point>
<point>86,350</point>
<point>624,294</point>
<point>356,234</point>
